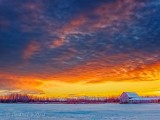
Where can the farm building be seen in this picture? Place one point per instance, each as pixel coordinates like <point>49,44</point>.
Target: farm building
<point>132,97</point>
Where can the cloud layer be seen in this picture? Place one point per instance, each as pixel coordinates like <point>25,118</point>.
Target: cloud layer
<point>107,40</point>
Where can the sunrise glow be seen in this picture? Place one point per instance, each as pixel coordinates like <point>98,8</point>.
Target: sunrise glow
<point>58,49</point>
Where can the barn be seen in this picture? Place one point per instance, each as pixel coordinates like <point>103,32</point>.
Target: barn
<point>132,97</point>
<point>127,96</point>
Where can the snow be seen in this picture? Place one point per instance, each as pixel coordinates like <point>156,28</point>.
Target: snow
<point>132,94</point>
<point>140,98</point>
<point>79,111</point>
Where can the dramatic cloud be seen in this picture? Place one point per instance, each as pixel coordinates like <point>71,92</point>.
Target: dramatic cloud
<point>19,84</point>
<point>78,41</point>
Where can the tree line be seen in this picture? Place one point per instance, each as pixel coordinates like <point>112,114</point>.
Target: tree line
<point>25,98</point>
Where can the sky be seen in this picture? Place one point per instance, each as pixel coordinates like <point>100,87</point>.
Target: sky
<point>61,48</point>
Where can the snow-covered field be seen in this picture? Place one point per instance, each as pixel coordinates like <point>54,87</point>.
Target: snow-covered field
<point>80,112</point>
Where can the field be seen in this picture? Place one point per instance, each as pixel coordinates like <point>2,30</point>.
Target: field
<point>79,111</point>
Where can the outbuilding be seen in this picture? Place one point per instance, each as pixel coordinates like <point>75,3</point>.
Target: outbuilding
<point>132,97</point>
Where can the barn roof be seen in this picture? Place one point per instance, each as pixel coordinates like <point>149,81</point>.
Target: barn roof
<point>140,98</point>
<point>132,94</point>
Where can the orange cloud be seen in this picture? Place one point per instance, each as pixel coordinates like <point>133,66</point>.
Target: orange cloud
<point>108,15</point>
<point>57,43</point>
<point>31,49</point>
<point>12,82</point>
<point>131,66</point>
<point>105,69</point>
<point>93,72</point>
<point>73,25</point>
<point>70,28</point>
